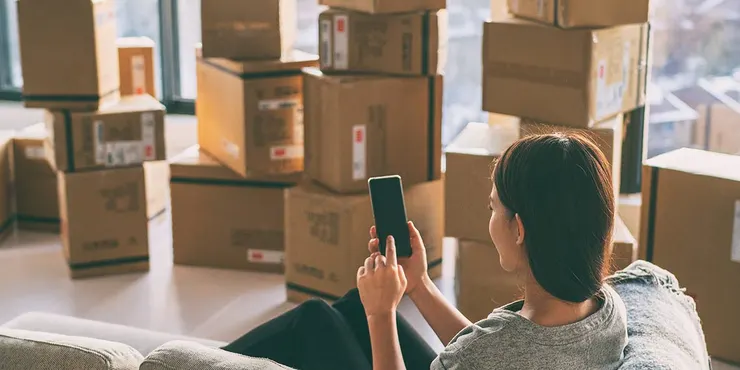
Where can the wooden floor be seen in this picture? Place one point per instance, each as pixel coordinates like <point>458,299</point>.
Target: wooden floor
<point>206,303</point>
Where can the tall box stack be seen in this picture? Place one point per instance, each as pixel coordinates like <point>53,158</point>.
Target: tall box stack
<point>377,59</point>
<point>96,141</point>
<point>250,135</point>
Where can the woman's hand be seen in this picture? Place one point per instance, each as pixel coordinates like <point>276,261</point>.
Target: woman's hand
<point>415,266</point>
<point>381,282</point>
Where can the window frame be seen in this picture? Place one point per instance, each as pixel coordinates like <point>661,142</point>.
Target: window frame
<point>7,90</point>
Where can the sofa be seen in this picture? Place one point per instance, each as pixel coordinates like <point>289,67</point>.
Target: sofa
<point>663,328</point>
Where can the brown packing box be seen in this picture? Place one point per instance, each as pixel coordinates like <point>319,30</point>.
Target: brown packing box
<point>244,29</point>
<point>136,66</point>
<point>245,223</point>
<point>582,13</point>
<point>691,227</point>
<point>37,200</point>
<point>250,113</point>
<point>385,6</point>
<point>607,135</point>
<point>104,221</point>
<point>68,53</point>
<point>568,77</point>
<point>361,126</point>
<point>624,251</point>
<point>469,161</point>
<point>403,44</point>
<point>127,133</point>
<point>327,235</point>
<point>157,180</point>
<point>630,206</point>
<point>481,284</point>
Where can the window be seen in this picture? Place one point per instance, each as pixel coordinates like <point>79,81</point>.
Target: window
<point>16,80</point>
<point>694,96</point>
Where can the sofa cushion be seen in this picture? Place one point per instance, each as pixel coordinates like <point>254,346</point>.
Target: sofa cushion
<point>184,355</point>
<point>22,350</point>
<point>142,340</point>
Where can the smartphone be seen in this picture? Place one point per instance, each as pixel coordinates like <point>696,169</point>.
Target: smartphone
<point>389,210</point>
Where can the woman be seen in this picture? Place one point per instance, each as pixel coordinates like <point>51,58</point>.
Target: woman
<point>552,215</point>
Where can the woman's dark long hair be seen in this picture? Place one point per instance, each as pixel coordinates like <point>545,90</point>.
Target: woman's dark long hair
<point>560,186</point>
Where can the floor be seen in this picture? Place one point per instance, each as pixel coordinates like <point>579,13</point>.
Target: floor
<point>206,303</point>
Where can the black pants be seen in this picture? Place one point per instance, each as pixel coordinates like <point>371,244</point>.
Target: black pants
<point>317,336</point>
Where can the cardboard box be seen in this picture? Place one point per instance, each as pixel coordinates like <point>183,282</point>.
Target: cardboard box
<point>127,133</point>
<point>7,206</point>
<point>68,53</point>
<point>250,114</point>
<point>326,236</point>
<point>37,200</point>
<point>243,29</point>
<point>567,77</point>
<point>624,249</point>
<point>157,180</point>
<point>481,284</point>
<point>691,227</point>
<point>582,13</point>
<point>136,66</point>
<point>402,44</point>
<point>104,221</point>
<point>607,135</point>
<point>359,127</point>
<point>385,6</point>
<point>630,206</point>
<point>469,162</point>
<point>245,227</point>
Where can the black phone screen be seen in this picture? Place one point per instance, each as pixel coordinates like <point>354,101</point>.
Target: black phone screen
<point>389,209</point>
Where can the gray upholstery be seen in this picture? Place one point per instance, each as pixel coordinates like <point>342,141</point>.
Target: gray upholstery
<point>144,341</point>
<point>22,350</point>
<point>182,355</point>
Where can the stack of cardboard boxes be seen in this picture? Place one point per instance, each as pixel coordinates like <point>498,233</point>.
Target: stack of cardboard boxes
<point>227,194</point>
<point>556,66</point>
<point>373,108</point>
<point>96,140</point>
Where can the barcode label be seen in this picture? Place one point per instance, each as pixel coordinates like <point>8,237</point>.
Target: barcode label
<point>282,152</point>
<point>138,74</point>
<point>148,136</point>
<point>276,104</point>
<point>35,152</point>
<point>265,256</point>
<point>341,42</point>
<point>100,148</point>
<point>359,158</point>
<point>325,45</point>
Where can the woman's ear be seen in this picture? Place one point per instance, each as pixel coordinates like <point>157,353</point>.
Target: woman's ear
<point>520,230</point>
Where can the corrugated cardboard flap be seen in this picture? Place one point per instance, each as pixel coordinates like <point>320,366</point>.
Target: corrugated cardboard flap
<point>699,162</point>
<point>289,64</point>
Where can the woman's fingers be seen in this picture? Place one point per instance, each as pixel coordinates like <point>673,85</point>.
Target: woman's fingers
<point>417,244</point>
<point>373,232</point>
<point>380,261</point>
<point>369,262</point>
<point>373,246</point>
<point>360,271</point>
<point>390,251</point>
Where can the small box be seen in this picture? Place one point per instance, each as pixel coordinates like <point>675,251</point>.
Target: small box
<point>481,284</point>
<point>469,162</point>
<point>326,236</point>
<point>37,200</point>
<point>245,225</point>
<point>104,221</point>
<point>125,134</point>
<point>401,44</point>
<point>582,13</point>
<point>690,225</point>
<point>157,179</point>
<point>362,126</point>
<point>565,77</point>
<point>250,113</point>
<point>607,135</point>
<point>248,29</point>
<point>136,66</point>
<point>385,6</point>
<point>67,67</point>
